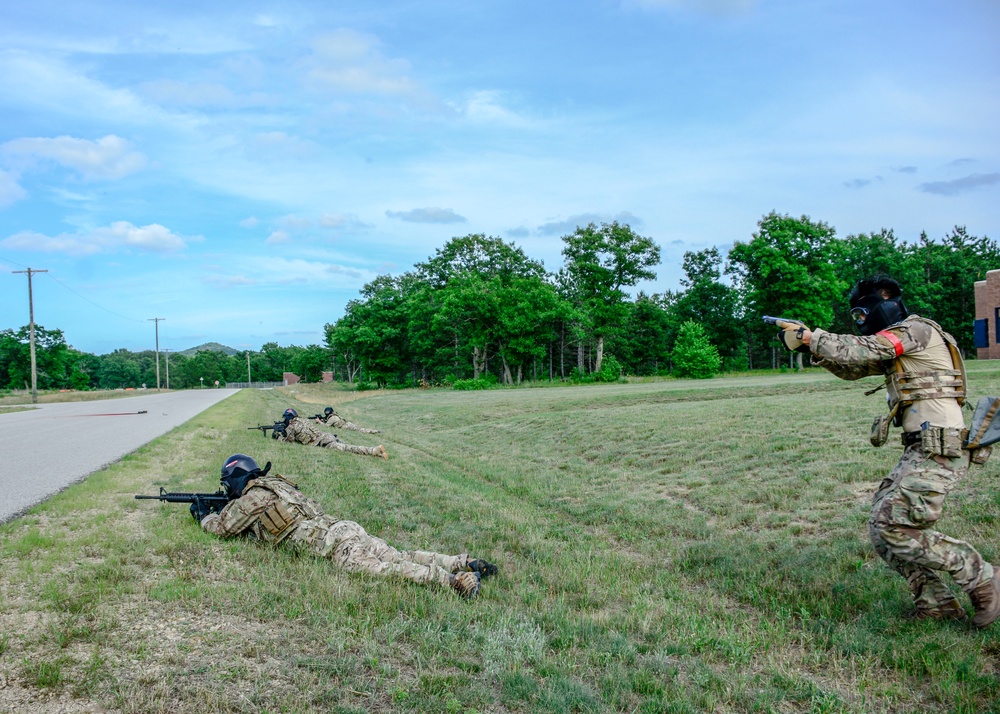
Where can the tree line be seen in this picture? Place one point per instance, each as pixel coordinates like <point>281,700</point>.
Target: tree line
<point>60,366</point>
<point>481,310</point>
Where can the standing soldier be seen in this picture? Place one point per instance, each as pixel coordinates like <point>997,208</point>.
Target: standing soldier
<point>298,430</point>
<point>271,509</point>
<point>331,418</point>
<point>926,383</point>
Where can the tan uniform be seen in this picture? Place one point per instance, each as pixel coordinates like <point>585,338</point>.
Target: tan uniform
<point>302,432</point>
<point>271,509</point>
<point>925,380</point>
<point>336,421</point>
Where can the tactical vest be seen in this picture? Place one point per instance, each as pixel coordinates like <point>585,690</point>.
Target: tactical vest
<point>290,508</point>
<point>905,387</point>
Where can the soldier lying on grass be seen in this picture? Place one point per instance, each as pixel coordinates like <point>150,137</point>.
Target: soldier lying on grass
<point>270,508</point>
<point>332,419</point>
<point>299,431</point>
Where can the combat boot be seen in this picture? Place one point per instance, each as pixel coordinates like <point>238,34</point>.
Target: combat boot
<point>380,451</point>
<point>951,610</point>
<point>465,584</point>
<point>986,599</point>
<point>484,569</point>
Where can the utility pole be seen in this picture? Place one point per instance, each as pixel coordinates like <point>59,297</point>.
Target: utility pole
<point>31,333</point>
<point>157,320</point>
<point>249,384</point>
<point>167,360</point>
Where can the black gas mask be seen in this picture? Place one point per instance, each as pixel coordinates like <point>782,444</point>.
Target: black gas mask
<point>870,311</point>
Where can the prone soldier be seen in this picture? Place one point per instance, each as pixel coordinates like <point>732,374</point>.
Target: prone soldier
<point>270,508</point>
<point>330,418</point>
<point>298,430</point>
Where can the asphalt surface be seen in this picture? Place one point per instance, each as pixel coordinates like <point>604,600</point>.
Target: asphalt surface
<point>46,449</point>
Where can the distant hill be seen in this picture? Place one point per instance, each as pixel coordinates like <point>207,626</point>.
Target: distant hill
<point>208,347</point>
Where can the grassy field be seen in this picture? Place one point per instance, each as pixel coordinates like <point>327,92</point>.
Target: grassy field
<point>671,546</point>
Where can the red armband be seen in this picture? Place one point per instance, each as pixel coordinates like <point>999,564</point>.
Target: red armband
<point>893,340</point>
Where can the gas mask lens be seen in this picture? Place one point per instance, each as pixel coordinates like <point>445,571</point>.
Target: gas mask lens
<point>859,315</point>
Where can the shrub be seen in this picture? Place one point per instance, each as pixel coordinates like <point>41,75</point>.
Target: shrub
<point>485,381</point>
<point>611,370</point>
<point>693,355</point>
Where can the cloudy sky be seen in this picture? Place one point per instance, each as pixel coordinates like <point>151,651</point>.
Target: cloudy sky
<point>242,169</point>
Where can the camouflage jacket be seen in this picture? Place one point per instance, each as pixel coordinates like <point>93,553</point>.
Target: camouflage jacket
<point>916,348</point>
<point>301,431</point>
<point>269,510</point>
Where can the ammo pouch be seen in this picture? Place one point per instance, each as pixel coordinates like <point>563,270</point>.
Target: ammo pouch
<point>942,441</point>
<point>981,455</point>
<point>880,430</point>
<point>277,520</point>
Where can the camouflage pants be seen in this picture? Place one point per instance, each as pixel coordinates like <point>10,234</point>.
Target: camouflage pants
<point>329,441</point>
<point>348,545</point>
<point>906,507</point>
<point>339,423</point>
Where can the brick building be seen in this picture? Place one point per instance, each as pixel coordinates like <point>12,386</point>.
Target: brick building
<point>987,325</point>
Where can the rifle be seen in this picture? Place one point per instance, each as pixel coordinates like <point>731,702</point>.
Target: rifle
<point>791,333</point>
<point>215,502</point>
<point>278,426</point>
<point>317,416</point>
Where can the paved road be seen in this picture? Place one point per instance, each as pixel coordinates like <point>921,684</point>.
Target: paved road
<point>44,450</point>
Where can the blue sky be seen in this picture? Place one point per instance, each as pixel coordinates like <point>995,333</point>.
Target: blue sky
<point>242,169</point>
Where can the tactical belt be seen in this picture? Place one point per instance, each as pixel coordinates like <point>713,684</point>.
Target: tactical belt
<point>910,438</point>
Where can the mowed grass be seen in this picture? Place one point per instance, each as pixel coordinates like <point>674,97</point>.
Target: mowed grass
<point>670,546</point>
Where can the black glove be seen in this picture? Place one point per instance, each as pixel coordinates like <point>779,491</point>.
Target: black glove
<point>199,510</point>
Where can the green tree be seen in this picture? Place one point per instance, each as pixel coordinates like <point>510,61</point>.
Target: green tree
<point>712,304</point>
<point>600,263</point>
<point>694,355</point>
<point>790,268</point>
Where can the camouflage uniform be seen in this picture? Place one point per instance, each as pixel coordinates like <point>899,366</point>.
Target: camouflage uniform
<point>301,431</point>
<point>910,500</point>
<point>272,510</point>
<point>338,422</point>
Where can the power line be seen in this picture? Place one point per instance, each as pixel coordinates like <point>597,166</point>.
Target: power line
<point>6,260</point>
<point>131,319</point>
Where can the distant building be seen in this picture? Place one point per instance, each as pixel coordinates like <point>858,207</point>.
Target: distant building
<point>289,378</point>
<point>327,376</point>
<point>987,326</point>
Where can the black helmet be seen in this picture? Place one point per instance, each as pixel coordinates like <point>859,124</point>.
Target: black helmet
<point>328,411</point>
<point>871,311</point>
<point>289,415</point>
<point>237,471</point>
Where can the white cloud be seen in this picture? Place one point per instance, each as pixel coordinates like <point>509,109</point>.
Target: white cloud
<point>10,189</point>
<point>712,7</point>
<point>292,222</point>
<point>110,157</point>
<point>278,271</point>
<point>571,223</point>
<point>350,61</point>
<point>343,221</point>
<point>486,107</point>
<point>171,92</point>
<point>428,215</point>
<point>250,222</point>
<point>278,237</point>
<point>120,235</point>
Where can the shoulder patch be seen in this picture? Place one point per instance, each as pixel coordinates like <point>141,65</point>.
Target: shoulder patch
<point>893,341</point>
